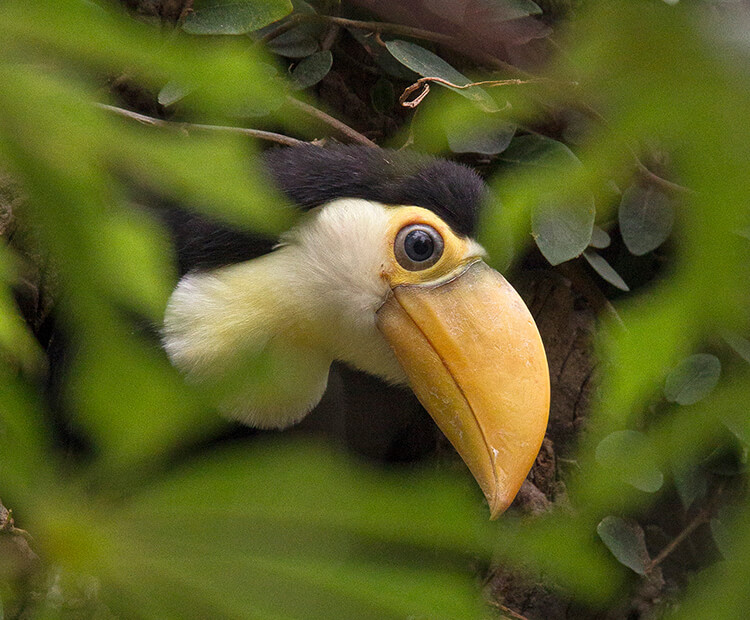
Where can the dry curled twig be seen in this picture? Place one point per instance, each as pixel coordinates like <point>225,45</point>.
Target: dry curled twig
<point>424,84</point>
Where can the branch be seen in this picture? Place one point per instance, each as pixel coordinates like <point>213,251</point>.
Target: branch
<point>244,131</point>
<point>336,124</point>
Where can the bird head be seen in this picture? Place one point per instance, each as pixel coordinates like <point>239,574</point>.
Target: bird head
<point>382,274</point>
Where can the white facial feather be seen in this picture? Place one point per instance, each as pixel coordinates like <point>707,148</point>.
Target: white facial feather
<point>310,301</point>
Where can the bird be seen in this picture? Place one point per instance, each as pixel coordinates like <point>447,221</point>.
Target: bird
<point>380,273</point>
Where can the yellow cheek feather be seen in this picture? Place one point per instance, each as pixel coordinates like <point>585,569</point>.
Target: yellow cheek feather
<point>457,251</point>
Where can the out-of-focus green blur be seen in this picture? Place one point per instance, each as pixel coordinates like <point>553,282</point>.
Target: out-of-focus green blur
<point>295,529</point>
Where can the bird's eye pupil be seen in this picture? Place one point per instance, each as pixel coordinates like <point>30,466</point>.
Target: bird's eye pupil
<point>418,245</point>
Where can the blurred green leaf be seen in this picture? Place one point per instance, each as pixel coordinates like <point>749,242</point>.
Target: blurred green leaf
<point>722,538</point>
<point>740,345</point>
<point>539,151</point>
<point>646,218</point>
<point>614,452</point>
<point>427,64</point>
<point>691,483</point>
<point>693,379</point>
<point>312,69</point>
<point>562,231</point>
<point>489,140</point>
<point>605,270</point>
<point>626,541</point>
<point>234,16</point>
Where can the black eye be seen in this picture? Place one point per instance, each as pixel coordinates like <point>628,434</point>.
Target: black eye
<point>418,246</point>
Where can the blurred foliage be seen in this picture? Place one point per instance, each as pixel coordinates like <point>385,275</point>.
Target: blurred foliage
<point>287,530</point>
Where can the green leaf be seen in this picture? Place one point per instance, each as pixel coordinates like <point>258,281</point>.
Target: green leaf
<point>600,238</point>
<point>297,43</point>
<point>539,151</point>
<point>646,218</point>
<point>740,345</point>
<point>234,17</point>
<point>626,541</point>
<point>312,69</point>
<point>562,231</point>
<point>605,270</point>
<point>485,140</point>
<point>693,379</point>
<point>172,92</point>
<point>616,451</point>
<point>691,483</point>
<point>427,64</point>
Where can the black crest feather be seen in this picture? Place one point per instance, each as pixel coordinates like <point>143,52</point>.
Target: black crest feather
<point>311,176</point>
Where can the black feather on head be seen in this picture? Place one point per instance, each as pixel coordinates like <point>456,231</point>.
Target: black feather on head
<point>312,176</point>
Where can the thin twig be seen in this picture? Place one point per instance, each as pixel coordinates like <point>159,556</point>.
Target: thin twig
<point>423,83</point>
<point>244,131</point>
<point>336,124</point>
<point>389,28</point>
<point>703,516</point>
<point>507,610</point>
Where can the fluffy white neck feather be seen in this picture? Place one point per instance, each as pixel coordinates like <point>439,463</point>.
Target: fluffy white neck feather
<point>266,331</point>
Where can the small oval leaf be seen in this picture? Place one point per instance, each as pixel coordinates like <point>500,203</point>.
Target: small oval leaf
<point>626,541</point>
<point>312,69</point>
<point>693,379</point>
<point>563,231</point>
<point>605,270</point>
<point>171,93</point>
<point>646,218</point>
<point>427,64</point>
<point>234,16</point>
<point>616,451</point>
<point>600,238</point>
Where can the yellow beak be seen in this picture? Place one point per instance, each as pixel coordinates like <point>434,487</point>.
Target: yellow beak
<point>474,358</point>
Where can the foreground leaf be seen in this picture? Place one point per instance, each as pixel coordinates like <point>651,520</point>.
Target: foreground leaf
<point>614,452</point>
